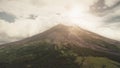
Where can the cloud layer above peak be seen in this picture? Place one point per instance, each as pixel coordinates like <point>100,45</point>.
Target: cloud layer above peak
<point>24,18</point>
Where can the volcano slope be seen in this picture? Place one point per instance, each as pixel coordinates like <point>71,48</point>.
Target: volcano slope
<point>62,47</point>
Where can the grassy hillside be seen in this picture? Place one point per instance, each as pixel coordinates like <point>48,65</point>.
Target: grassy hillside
<point>47,55</point>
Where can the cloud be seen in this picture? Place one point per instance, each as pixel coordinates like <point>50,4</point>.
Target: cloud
<point>113,3</point>
<point>7,17</point>
<point>35,16</point>
<point>38,2</point>
<point>113,19</point>
<point>32,16</point>
<point>110,30</point>
<point>4,38</point>
<point>24,27</point>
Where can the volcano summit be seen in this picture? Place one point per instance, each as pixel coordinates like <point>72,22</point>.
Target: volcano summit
<point>62,47</point>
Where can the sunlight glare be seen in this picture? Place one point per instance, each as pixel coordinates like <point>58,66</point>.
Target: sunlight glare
<point>78,15</point>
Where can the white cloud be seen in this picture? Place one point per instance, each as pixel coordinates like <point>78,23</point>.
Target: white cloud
<point>49,13</point>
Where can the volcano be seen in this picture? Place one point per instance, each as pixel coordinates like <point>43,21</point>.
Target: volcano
<point>62,47</point>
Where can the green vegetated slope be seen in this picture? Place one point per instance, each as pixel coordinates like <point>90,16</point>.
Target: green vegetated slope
<point>47,55</point>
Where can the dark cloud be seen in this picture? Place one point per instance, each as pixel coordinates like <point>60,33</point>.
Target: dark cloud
<point>114,19</point>
<point>32,17</point>
<point>7,17</point>
<point>114,6</point>
<point>100,8</point>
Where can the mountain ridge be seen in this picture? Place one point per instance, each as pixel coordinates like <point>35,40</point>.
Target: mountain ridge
<point>62,47</point>
<point>63,33</point>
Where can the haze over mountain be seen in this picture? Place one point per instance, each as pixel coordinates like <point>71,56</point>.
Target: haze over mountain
<point>62,47</point>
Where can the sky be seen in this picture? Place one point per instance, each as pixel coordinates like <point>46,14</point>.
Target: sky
<point>24,18</point>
